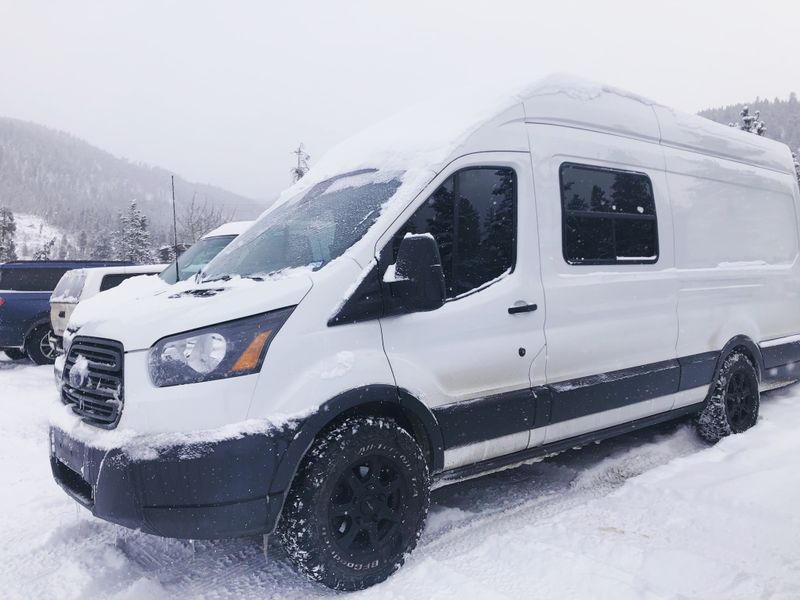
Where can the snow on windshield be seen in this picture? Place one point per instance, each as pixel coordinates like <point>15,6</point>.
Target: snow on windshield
<point>312,229</point>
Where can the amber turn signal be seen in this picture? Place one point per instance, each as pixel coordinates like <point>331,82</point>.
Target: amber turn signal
<point>248,360</point>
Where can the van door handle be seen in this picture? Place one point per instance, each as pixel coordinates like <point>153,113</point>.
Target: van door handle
<point>522,308</point>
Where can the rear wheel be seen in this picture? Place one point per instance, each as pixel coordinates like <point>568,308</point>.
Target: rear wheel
<point>15,354</point>
<point>40,346</point>
<point>732,406</point>
<point>357,505</point>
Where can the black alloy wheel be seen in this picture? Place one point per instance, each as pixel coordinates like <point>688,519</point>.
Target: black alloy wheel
<point>732,404</point>
<point>741,401</point>
<point>367,508</point>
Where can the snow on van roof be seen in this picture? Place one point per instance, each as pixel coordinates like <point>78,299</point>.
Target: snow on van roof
<point>428,135</point>
<point>232,228</point>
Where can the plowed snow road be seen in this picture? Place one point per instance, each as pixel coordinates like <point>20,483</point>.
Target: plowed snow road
<point>656,514</point>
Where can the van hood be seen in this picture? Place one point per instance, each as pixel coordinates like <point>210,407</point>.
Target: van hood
<point>138,322</point>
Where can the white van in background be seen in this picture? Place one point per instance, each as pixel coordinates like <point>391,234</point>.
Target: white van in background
<point>78,285</point>
<point>473,284</point>
<point>201,252</point>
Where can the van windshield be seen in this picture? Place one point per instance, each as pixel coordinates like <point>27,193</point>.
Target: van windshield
<point>310,230</point>
<point>195,258</point>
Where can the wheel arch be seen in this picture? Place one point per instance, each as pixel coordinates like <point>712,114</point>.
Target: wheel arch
<point>35,324</point>
<point>380,400</point>
<point>745,345</point>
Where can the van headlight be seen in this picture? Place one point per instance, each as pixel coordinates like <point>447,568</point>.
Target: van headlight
<point>228,349</point>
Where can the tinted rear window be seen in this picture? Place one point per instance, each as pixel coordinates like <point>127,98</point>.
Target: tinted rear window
<point>31,279</point>
<point>112,281</point>
<point>70,287</point>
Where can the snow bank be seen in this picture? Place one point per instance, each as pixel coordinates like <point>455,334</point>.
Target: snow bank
<point>655,514</point>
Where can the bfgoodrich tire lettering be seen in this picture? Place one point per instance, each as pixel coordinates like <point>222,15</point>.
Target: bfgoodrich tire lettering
<point>357,505</point>
<point>732,406</point>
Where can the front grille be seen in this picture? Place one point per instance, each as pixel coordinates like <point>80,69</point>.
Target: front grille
<point>94,393</point>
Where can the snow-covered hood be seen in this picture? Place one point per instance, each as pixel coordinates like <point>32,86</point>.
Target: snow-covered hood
<point>138,322</point>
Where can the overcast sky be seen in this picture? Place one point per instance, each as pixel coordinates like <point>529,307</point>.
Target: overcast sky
<point>221,92</point>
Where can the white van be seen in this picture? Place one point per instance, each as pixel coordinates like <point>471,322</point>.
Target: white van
<point>461,289</point>
<point>203,251</point>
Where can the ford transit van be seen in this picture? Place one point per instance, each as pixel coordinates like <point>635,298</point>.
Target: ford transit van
<point>473,284</point>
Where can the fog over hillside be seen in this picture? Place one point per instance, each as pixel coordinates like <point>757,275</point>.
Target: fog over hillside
<point>782,117</point>
<point>78,188</point>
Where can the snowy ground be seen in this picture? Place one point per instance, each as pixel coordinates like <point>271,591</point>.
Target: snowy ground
<point>655,514</point>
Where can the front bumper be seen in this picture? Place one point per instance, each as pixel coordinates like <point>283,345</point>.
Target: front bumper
<point>202,490</point>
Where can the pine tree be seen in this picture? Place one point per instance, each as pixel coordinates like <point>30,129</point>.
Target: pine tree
<point>102,248</point>
<point>63,247</point>
<point>796,165</point>
<point>134,237</point>
<point>301,168</point>
<point>45,252</point>
<point>8,227</point>
<point>83,244</point>
<point>751,123</point>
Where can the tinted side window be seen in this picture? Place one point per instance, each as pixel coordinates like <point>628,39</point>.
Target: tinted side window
<point>477,233</point>
<point>112,281</point>
<point>41,279</point>
<point>609,216</point>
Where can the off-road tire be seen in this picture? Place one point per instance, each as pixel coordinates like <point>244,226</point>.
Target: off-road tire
<point>357,505</point>
<point>37,345</point>
<point>15,354</point>
<point>733,403</point>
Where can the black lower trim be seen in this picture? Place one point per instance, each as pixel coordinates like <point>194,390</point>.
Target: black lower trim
<point>507,460</point>
<point>780,355</point>
<point>782,373</point>
<point>192,491</point>
<point>480,419</point>
<point>484,419</point>
<point>697,369</point>
<point>598,393</point>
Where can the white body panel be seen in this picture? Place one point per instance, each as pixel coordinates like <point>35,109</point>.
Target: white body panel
<point>602,318</point>
<point>727,265</point>
<point>482,358</point>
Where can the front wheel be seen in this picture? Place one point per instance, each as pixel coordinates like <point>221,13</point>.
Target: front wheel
<point>732,406</point>
<point>357,505</point>
<point>40,346</point>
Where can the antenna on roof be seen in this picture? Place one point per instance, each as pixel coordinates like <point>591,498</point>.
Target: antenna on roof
<point>175,231</point>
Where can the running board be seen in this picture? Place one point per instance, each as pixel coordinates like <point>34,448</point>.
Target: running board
<point>536,453</point>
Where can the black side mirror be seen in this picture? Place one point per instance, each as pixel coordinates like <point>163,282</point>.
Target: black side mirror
<point>418,279</point>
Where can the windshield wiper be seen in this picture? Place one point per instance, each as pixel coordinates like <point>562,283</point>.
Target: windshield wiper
<point>220,278</point>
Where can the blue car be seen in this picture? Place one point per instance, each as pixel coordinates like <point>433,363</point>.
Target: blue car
<point>25,288</point>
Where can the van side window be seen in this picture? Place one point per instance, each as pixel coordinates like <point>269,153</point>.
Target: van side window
<point>609,216</point>
<point>483,244</point>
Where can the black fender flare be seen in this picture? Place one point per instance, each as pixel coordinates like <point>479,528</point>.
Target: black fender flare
<point>735,342</point>
<point>308,429</point>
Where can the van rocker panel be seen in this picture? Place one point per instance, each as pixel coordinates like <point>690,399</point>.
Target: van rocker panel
<point>192,491</point>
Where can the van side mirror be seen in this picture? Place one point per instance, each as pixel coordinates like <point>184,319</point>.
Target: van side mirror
<point>417,280</point>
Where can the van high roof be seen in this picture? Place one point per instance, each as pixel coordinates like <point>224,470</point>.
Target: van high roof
<point>429,135</point>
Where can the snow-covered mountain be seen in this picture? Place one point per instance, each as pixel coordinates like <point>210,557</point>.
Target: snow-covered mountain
<point>77,187</point>
<point>34,232</point>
